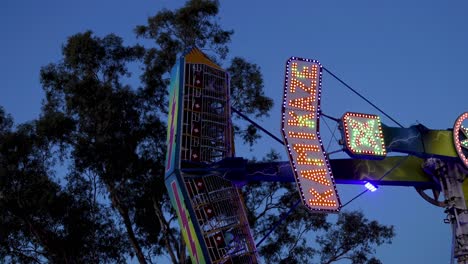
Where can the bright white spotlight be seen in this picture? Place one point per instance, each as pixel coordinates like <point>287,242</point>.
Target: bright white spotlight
<point>370,187</point>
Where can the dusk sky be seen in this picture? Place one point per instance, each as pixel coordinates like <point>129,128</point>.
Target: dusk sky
<point>410,58</point>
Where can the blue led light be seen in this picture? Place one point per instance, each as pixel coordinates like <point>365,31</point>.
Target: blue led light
<point>370,187</point>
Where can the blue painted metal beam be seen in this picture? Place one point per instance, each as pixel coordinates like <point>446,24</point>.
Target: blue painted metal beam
<point>354,171</point>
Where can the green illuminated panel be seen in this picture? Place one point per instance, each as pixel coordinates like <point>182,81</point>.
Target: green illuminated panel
<point>363,135</point>
<point>464,143</point>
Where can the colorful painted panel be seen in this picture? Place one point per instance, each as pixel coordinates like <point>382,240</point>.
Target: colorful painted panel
<point>300,128</point>
<point>420,141</point>
<point>173,121</point>
<point>408,172</point>
<point>186,225</point>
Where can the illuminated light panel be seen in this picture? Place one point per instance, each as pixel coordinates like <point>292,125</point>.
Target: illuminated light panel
<point>363,135</point>
<point>300,123</point>
<point>301,120</point>
<point>370,187</point>
<point>303,135</point>
<point>310,89</point>
<point>302,157</point>
<point>303,103</point>
<point>322,199</point>
<point>306,73</point>
<point>317,175</point>
<point>460,138</point>
<point>464,143</point>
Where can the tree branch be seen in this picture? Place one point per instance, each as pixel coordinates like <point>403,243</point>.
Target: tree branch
<point>166,233</point>
<point>127,223</point>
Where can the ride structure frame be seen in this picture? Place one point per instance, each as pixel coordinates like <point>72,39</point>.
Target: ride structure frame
<point>209,207</point>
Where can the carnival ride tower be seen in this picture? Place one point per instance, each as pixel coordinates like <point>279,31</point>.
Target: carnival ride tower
<point>209,206</point>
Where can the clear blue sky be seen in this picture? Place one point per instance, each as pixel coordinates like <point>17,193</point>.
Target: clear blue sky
<point>408,57</point>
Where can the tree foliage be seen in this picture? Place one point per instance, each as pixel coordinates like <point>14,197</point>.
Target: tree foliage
<point>353,237</point>
<point>110,203</point>
<point>41,220</point>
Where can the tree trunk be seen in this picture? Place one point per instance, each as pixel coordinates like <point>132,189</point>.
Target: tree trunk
<point>128,224</point>
<point>166,232</point>
<point>131,235</point>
